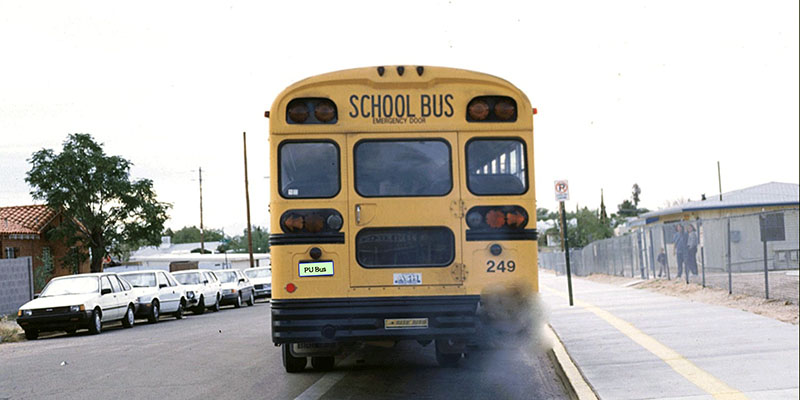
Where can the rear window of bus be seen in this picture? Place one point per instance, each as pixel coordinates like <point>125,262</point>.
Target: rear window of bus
<point>309,170</point>
<point>496,167</point>
<point>403,168</point>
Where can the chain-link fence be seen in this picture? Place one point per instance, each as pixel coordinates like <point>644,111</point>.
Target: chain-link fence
<point>753,254</point>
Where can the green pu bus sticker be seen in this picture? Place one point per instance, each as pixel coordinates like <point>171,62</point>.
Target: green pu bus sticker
<point>315,268</point>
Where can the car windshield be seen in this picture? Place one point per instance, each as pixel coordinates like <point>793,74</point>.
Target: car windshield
<point>76,285</point>
<point>257,273</point>
<point>226,276</point>
<point>141,280</point>
<point>188,279</point>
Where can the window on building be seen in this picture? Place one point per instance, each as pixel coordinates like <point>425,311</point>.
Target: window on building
<point>11,252</point>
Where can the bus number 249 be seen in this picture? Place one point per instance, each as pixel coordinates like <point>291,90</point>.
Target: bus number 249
<point>501,266</point>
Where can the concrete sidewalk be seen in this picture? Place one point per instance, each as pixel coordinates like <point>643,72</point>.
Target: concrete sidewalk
<point>635,344</point>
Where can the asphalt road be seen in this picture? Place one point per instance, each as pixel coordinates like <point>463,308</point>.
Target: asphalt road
<point>229,355</point>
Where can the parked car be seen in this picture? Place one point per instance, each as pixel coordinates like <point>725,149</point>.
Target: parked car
<point>236,287</point>
<point>80,301</point>
<point>261,278</point>
<point>157,293</point>
<point>205,285</point>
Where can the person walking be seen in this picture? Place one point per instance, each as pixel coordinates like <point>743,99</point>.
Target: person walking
<point>662,262</point>
<point>692,241</point>
<point>680,239</point>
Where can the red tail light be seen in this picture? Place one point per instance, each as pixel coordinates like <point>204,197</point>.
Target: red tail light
<point>497,218</point>
<point>311,221</point>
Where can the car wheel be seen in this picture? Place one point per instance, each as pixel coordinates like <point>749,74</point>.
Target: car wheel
<point>290,362</point>
<point>216,304</point>
<point>31,334</point>
<point>201,306</point>
<point>322,363</point>
<point>238,303</point>
<point>96,324</point>
<point>155,312</point>
<point>251,301</point>
<point>129,319</point>
<point>179,314</point>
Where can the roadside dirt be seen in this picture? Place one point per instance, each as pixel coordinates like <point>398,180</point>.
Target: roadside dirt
<point>10,331</point>
<point>778,309</point>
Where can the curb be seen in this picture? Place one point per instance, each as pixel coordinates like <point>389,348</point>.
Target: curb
<point>568,372</point>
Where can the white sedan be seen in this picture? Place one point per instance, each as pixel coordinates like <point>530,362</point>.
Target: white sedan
<point>205,285</point>
<point>157,293</point>
<point>261,277</point>
<point>73,302</point>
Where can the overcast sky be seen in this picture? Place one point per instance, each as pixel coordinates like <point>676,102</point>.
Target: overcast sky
<point>647,92</point>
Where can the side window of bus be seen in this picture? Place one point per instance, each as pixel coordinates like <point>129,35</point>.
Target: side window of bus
<point>496,167</point>
<point>386,168</point>
<point>309,170</point>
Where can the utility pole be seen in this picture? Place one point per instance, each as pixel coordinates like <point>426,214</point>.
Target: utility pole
<point>719,179</point>
<point>202,241</point>
<point>247,199</point>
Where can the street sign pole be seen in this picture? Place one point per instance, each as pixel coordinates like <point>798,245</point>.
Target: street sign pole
<point>565,245</point>
<point>562,194</point>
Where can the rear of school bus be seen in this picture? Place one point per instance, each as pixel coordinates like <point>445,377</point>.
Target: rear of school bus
<point>402,208</point>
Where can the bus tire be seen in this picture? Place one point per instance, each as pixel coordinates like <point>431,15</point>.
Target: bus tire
<point>444,358</point>
<point>291,363</point>
<point>323,363</point>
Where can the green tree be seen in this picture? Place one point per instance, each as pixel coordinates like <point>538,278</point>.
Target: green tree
<point>603,215</point>
<point>44,272</point>
<point>102,207</point>
<point>191,234</point>
<point>626,209</point>
<point>238,244</point>
<point>635,192</point>
<point>587,228</point>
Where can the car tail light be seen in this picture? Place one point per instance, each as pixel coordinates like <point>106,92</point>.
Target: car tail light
<point>311,221</point>
<point>497,218</point>
<point>290,287</point>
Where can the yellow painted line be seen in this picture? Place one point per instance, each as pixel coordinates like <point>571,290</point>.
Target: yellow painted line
<point>702,379</point>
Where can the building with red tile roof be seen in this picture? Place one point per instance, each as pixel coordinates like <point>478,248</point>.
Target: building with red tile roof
<point>23,233</point>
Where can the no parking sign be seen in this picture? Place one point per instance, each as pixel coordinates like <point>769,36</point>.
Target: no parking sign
<point>562,190</point>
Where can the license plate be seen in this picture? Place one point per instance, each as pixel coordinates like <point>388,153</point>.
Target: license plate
<point>315,346</point>
<point>405,323</point>
<point>318,268</point>
<point>411,278</point>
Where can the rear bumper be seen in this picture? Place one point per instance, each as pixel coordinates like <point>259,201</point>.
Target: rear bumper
<point>360,319</point>
<point>230,298</point>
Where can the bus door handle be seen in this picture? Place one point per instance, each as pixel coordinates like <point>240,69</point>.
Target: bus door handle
<point>365,212</point>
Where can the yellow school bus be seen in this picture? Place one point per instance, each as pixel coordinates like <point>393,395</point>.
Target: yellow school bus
<point>402,208</point>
